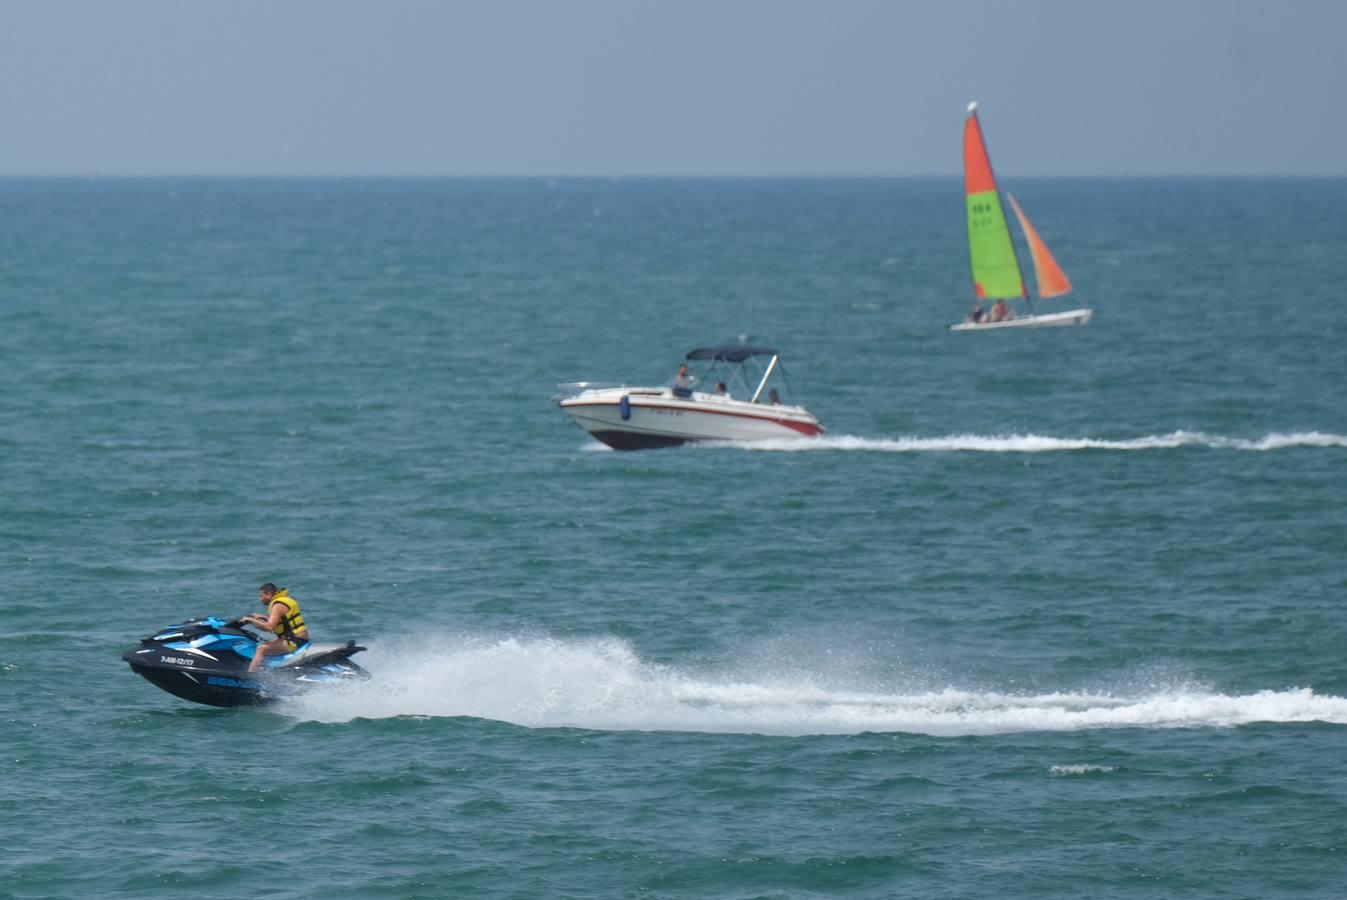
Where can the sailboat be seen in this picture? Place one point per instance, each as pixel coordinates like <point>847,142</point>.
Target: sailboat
<point>996,265</point>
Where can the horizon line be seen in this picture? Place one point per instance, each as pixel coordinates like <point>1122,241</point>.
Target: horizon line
<point>651,176</point>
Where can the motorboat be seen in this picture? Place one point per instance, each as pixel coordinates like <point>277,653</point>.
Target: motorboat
<point>205,660</point>
<point>734,396</point>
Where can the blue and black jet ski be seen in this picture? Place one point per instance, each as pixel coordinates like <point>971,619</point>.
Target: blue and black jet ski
<point>206,661</point>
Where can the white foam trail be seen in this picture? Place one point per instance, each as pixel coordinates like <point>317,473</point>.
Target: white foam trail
<point>602,684</point>
<point>1081,769</point>
<point>1034,443</point>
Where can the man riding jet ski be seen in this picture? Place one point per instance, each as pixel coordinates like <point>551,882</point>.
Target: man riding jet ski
<point>207,660</point>
<point>283,619</point>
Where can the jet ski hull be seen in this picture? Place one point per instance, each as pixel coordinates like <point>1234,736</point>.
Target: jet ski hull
<point>206,661</point>
<point>200,685</point>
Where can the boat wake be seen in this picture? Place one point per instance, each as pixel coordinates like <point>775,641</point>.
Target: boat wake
<point>601,684</point>
<point>1034,443</point>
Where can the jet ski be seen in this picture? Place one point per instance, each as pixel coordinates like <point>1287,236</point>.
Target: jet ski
<point>206,661</point>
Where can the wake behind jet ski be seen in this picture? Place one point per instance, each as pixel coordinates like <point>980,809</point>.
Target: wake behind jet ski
<point>206,660</point>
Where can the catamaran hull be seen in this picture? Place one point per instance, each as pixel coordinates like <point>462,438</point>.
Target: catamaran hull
<point>642,423</point>
<point>1050,320</point>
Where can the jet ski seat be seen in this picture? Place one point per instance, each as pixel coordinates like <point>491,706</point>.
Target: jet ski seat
<point>307,651</point>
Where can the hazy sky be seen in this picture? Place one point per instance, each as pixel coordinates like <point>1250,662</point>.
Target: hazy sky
<point>681,87</point>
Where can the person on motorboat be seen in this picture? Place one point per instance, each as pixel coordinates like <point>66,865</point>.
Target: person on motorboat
<point>283,619</point>
<point>682,382</point>
<point>1001,312</point>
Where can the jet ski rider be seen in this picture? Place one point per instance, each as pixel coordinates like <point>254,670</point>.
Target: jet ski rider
<point>283,620</point>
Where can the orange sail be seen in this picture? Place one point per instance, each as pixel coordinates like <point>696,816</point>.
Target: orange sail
<point>977,166</point>
<point>1052,281</point>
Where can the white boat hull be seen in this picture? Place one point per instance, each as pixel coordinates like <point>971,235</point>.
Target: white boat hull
<point>641,418</point>
<point>1050,320</point>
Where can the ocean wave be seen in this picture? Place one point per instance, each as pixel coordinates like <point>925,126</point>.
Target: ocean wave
<point>1035,443</point>
<point>602,684</point>
<point>1081,769</point>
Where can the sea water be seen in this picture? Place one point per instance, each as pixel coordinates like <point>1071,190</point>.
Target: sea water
<point>1045,613</point>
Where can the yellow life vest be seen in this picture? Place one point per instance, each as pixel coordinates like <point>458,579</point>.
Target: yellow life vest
<point>293,621</point>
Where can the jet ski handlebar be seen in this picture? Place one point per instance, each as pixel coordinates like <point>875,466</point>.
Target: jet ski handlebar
<point>240,624</point>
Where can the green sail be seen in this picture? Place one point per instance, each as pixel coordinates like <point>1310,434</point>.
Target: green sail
<point>996,271</point>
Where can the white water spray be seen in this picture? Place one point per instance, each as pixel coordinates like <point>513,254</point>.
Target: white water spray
<point>602,684</point>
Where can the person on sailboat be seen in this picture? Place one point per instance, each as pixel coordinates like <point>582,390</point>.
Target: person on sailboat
<point>1001,312</point>
<point>977,314</point>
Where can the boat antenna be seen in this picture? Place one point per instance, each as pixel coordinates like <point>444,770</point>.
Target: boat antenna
<point>765,376</point>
